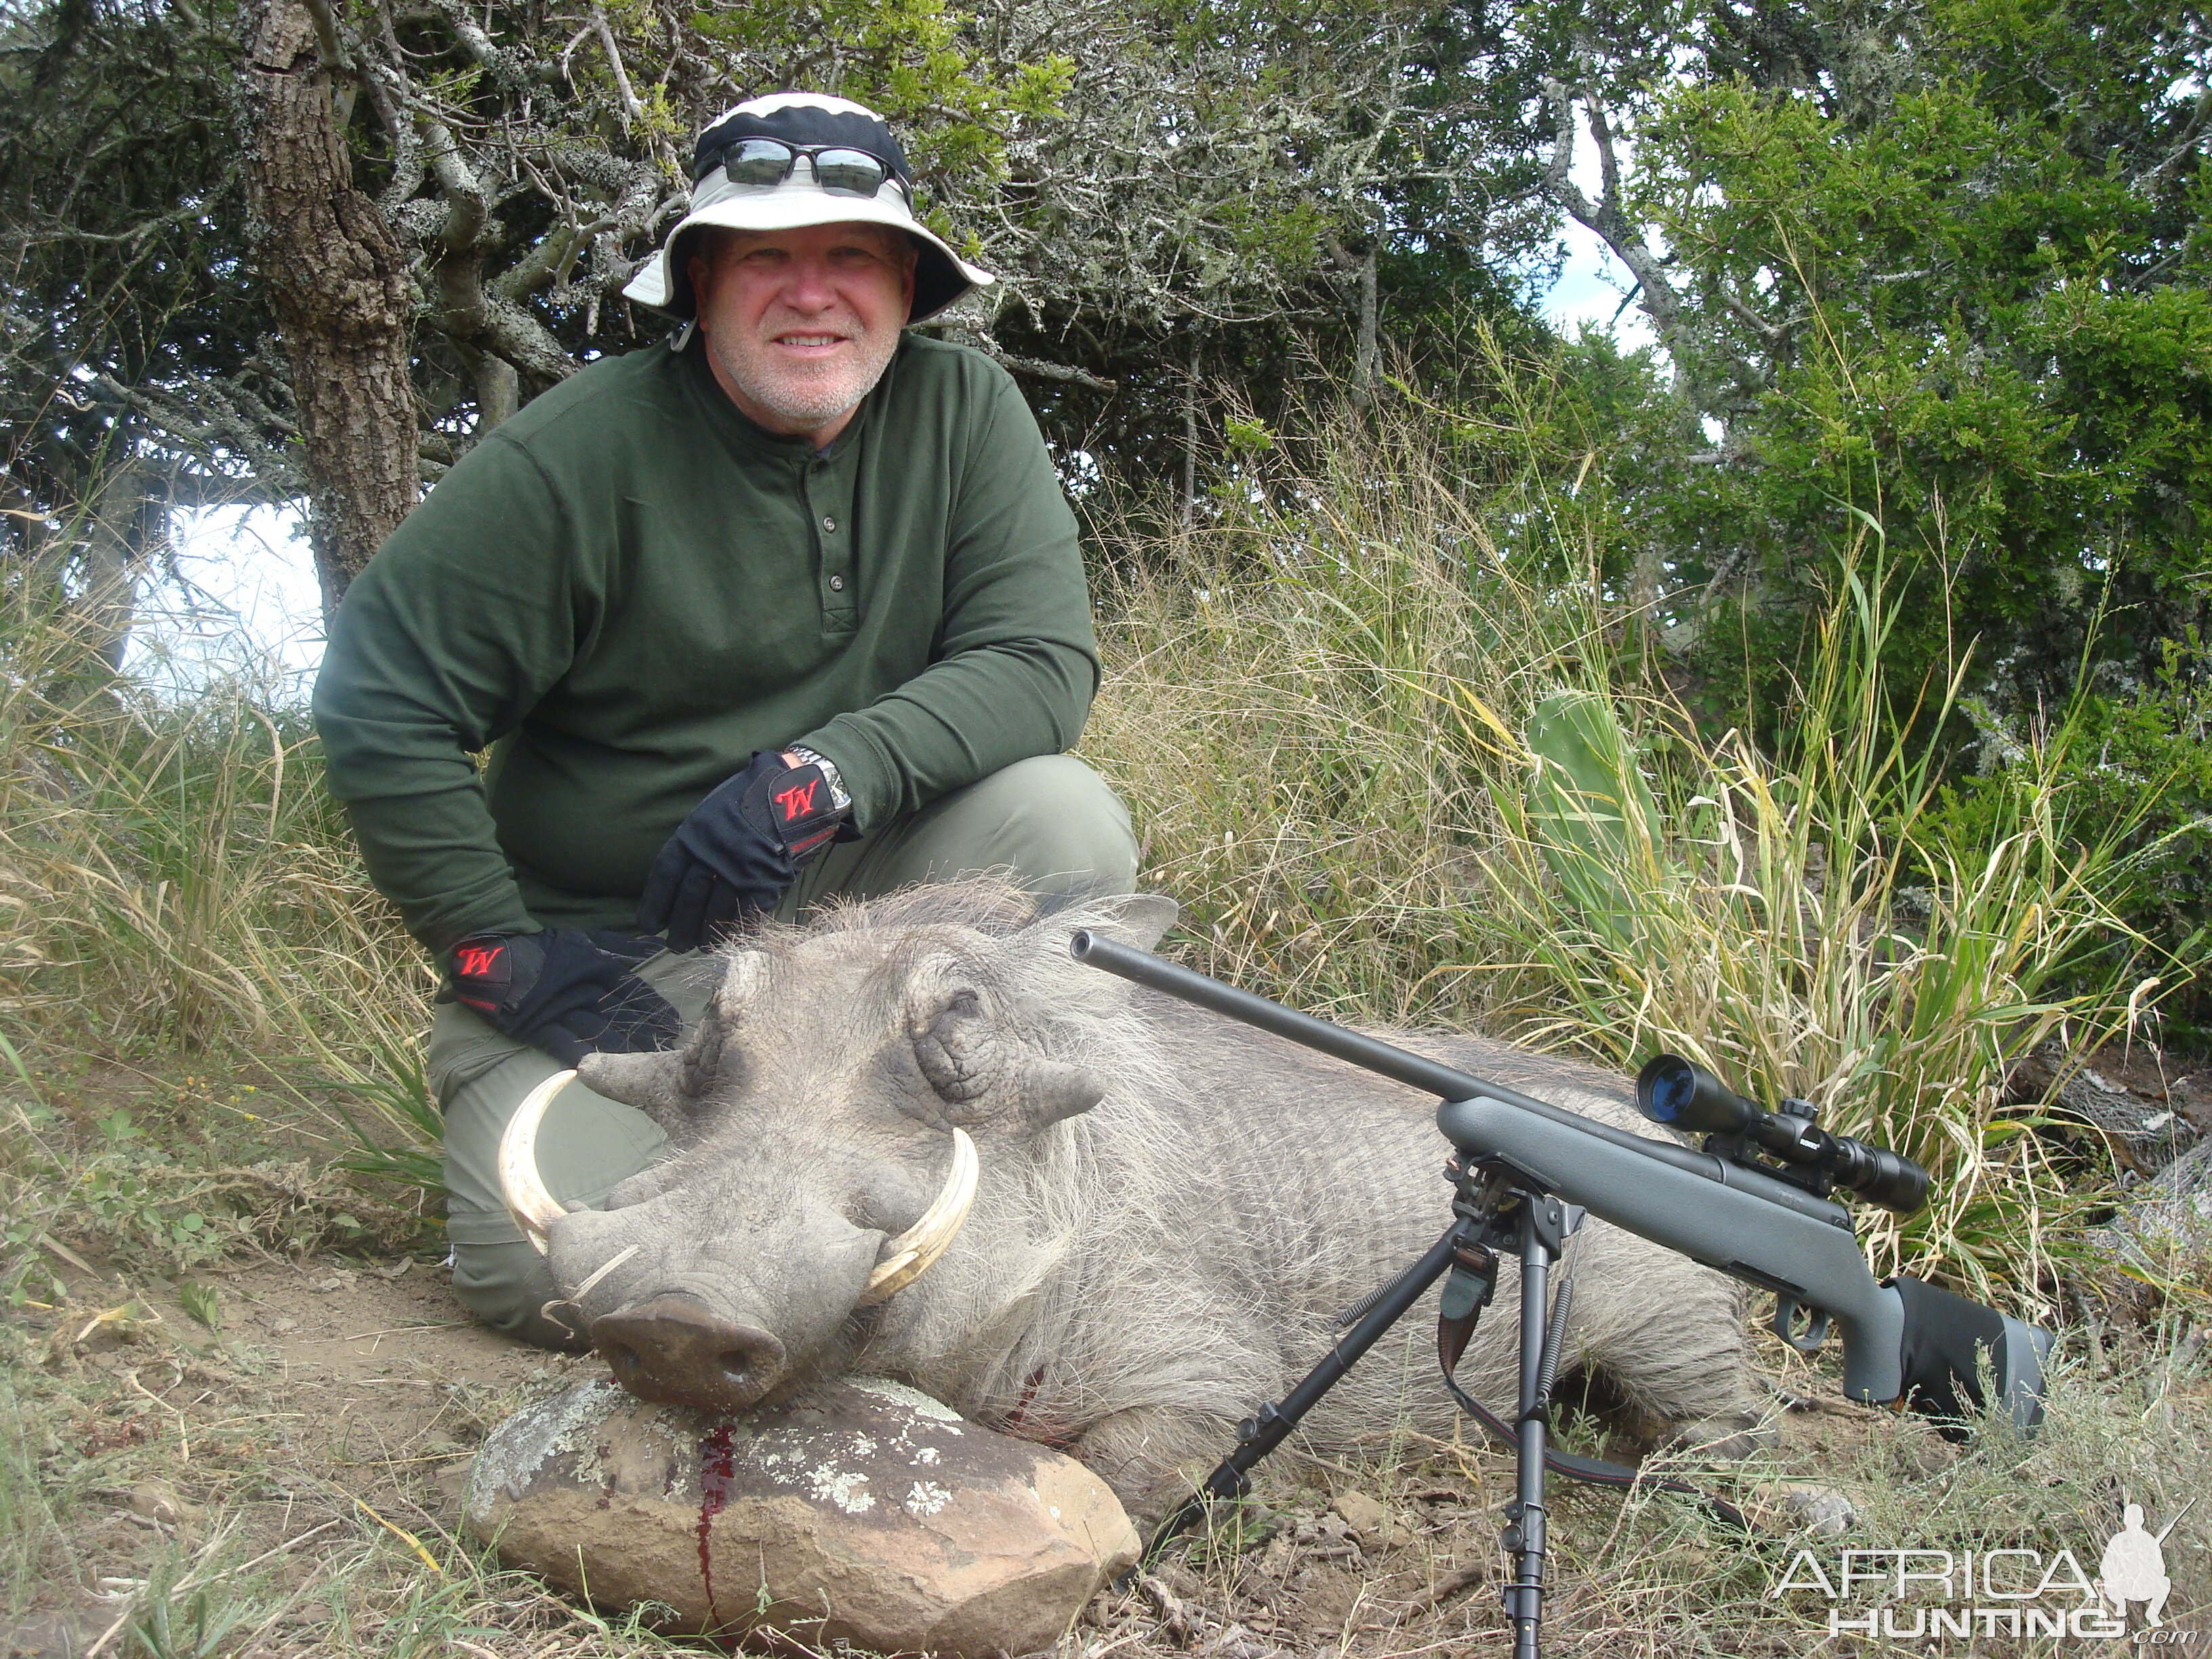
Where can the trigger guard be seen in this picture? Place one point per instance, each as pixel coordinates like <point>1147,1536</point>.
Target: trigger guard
<point>1786,1309</point>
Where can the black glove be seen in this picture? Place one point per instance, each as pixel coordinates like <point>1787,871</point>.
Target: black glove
<point>738,850</point>
<point>565,992</point>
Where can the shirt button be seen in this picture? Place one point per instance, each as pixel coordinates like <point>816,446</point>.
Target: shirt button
<point>836,584</point>
<point>828,526</point>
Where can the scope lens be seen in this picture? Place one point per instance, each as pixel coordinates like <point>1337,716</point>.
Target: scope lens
<point>1665,1088</point>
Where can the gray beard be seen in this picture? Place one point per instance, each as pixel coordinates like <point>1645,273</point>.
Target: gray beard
<point>804,405</point>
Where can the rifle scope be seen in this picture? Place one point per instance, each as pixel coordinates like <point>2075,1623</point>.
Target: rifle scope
<point>1669,1089</point>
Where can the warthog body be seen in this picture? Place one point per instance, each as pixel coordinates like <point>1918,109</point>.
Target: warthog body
<point>1172,1208</point>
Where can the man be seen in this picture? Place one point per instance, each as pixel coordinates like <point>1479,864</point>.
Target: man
<point>787,607</point>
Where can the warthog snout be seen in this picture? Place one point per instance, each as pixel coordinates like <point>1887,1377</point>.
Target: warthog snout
<point>674,1351</point>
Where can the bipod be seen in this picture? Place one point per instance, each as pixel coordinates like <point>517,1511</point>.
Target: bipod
<point>1489,1213</point>
<point>1266,1428</point>
<point>1535,1226</point>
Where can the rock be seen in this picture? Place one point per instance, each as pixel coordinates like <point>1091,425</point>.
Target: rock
<point>1819,1510</point>
<point>859,1511</point>
<point>1363,1514</point>
<point>2148,1134</point>
<point>157,1501</point>
<point>2164,1226</point>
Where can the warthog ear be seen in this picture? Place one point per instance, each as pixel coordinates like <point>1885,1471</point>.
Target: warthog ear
<point>1137,919</point>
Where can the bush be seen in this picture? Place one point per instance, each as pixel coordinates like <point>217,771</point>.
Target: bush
<point>2135,771</point>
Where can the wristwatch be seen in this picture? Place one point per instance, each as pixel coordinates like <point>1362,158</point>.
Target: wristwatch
<point>840,796</point>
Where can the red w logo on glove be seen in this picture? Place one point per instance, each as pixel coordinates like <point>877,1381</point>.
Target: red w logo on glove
<point>796,802</point>
<point>475,961</point>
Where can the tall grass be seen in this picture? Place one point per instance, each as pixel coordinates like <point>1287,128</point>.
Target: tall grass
<point>1798,924</point>
<point>1324,710</point>
<point>1309,700</point>
<point>172,876</point>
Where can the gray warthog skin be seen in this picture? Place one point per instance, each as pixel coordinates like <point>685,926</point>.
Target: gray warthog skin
<point>1173,1207</point>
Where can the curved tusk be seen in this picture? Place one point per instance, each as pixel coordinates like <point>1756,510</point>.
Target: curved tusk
<point>534,1209</point>
<point>906,1257</point>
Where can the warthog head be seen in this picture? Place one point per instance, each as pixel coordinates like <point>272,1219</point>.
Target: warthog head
<point>828,1119</point>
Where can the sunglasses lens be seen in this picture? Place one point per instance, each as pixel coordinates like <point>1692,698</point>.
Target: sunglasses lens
<point>850,172</point>
<point>758,162</point>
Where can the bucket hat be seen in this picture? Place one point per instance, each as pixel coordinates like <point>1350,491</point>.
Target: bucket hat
<point>804,124</point>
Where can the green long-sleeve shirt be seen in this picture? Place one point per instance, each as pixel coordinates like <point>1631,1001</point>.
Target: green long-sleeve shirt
<point>629,589</point>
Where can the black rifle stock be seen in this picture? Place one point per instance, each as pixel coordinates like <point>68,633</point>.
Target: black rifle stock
<point>1904,1341</point>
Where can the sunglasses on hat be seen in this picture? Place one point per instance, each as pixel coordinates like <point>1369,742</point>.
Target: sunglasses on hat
<point>838,168</point>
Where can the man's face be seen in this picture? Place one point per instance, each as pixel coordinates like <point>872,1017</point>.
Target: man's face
<point>801,324</point>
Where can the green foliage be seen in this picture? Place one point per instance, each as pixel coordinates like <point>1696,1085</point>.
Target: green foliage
<point>203,1303</point>
<point>1587,809</point>
<point>120,192</point>
<point>174,1196</point>
<point>1958,282</point>
<point>1318,713</point>
<point>2137,771</point>
<point>1763,918</point>
<point>911,60</point>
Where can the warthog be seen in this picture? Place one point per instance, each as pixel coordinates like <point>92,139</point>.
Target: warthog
<point>1171,1210</point>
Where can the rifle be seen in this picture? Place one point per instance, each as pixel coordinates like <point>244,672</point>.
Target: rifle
<point>1756,1203</point>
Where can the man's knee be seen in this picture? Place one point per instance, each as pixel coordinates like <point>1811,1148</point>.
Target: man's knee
<point>1071,826</point>
<point>585,1143</point>
<point>506,1286</point>
<point>1049,821</point>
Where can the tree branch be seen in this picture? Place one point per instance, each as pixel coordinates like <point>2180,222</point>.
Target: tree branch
<point>633,111</point>
<point>1606,219</point>
<point>1035,367</point>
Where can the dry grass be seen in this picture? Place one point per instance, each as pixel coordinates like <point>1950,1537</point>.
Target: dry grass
<point>1389,780</point>
<point>175,881</point>
<point>1309,704</point>
<point>1791,923</point>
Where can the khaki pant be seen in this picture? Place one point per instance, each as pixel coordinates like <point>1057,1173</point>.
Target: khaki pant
<point>1049,821</point>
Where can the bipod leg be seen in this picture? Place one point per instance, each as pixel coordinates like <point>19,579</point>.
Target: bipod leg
<point>1544,1223</point>
<point>1269,1427</point>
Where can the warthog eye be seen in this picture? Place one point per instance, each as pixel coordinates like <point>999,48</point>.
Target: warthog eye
<point>702,1055</point>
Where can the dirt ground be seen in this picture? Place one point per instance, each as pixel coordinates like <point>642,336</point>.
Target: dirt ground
<point>312,1447</point>
<point>336,1395</point>
<point>342,1396</point>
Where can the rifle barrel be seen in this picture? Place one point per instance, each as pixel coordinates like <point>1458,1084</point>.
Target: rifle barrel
<point>1429,1076</point>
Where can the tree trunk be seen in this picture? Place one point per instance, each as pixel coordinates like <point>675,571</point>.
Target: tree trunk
<point>1367,364</point>
<point>337,282</point>
<point>112,552</point>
